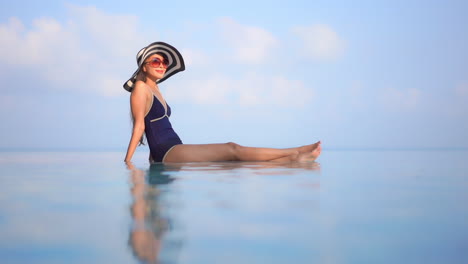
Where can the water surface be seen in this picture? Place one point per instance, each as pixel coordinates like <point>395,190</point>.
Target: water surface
<point>349,207</point>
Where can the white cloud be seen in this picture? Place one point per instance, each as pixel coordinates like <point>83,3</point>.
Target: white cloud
<point>87,53</point>
<point>320,41</point>
<point>251,44</point>
<point>195,57</point>
<point>252,89</point>
<point>93,51</point>
<point>112,33</point>
<point>44,43</point>
<point>255,89</point>
<point>215,90</point>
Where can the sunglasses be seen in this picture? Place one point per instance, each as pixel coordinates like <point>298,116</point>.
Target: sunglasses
<point>156,63</point>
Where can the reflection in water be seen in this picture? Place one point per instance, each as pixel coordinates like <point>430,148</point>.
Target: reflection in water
<point>256,168</point>
<point>154,236</point>
<point>151,216</point>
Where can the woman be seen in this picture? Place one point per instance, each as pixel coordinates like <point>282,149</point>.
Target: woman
<point>157,62</point>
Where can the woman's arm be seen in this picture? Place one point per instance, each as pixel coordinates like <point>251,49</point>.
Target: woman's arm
<point>138,106</point>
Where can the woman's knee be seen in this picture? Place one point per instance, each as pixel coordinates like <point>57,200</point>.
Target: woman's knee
<point>234,149</point>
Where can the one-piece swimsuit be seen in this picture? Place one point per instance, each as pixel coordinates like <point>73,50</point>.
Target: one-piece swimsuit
<point>159,132</point>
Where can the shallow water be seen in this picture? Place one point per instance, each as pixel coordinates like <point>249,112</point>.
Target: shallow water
<point>350,207</point>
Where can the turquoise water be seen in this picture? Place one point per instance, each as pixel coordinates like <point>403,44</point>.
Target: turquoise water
<point>350,207</point>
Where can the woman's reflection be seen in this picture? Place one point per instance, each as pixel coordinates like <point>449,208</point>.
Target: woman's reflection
<point>153,238</point>
<point>150,216</point>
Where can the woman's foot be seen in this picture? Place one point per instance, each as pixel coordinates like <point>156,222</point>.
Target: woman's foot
<point>312,155</point>
<point>308,148</point>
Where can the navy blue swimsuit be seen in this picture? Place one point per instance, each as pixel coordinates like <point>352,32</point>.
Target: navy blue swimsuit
<point>158,129</point>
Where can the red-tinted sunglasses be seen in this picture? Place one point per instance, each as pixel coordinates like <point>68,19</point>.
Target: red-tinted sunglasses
<point>156,63</point>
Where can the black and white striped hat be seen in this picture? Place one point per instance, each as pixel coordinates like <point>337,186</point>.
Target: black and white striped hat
<point>175,61</point>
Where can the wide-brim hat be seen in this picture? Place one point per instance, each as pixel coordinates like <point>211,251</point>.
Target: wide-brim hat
<point>175,61</point>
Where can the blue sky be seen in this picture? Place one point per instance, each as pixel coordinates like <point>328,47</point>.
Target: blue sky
<point>354,74</point>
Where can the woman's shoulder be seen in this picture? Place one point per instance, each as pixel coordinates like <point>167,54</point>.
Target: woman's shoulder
<point>140,86</point>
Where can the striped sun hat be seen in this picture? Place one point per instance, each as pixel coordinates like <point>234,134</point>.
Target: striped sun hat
<point>175,61</point>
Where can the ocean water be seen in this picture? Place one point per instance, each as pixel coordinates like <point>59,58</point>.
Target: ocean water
<point>348,207</point>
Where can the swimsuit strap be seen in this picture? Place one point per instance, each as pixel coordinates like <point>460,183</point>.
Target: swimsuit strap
<point>165,106</point>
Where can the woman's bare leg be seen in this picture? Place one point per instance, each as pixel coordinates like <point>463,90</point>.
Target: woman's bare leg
<point>303,156</point>
<point>235,152</point>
